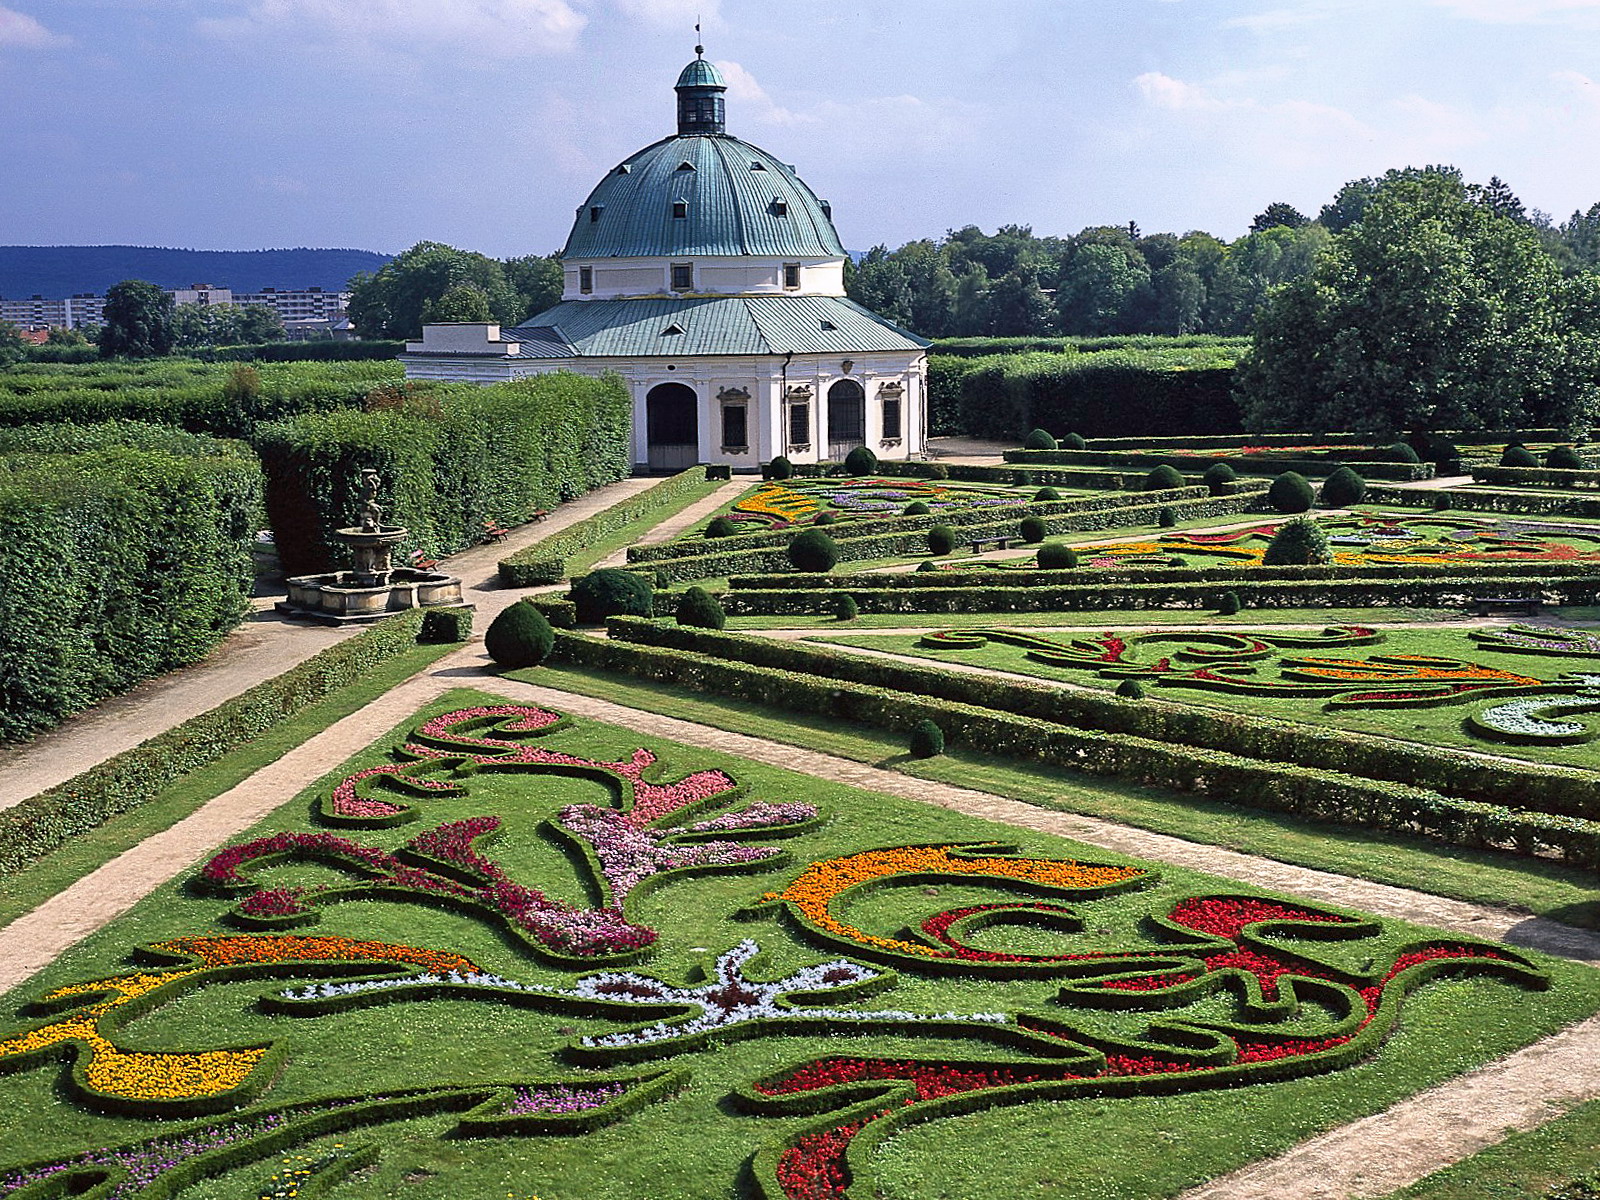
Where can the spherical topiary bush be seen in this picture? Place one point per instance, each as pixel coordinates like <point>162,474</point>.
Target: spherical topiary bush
<point>860,461</point>
<point>1074,441</point>
<point>1442,450</point>
<point>1518,455</point>
<point>812,550</point>
<point>519,637</point>
<point>1130,689</point>
<point>927,739</point>
<point>917,508</point>
<point>701,609</point>
<point>612,592</point>
<point>721,527</point>
<point>1039,439</point>
<point>1166,516</point>
<point>941,539</point>
<point>1047,493</point>
<point>1228,604</point>
<point>1220,479</point>
<point>1290,493</point>
<point>936,471</point>
<point>1343,488</point>
<point>1401,452</point>
<point>780,468</point>
<point>1032,529</point>
<point>826,517</point>
<point>1298,543</point>
<point>1055,556</point>
<point>845,608</point>
<point>927,564</point>
<point>1163,477</point>
<point>1564,458</point>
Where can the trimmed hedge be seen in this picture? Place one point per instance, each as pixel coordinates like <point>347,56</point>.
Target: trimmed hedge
<point>546,560</point>
<point>497,453</point>
<point>1483,500</point>
<point>1285,786</point>
<point>116,564</point>
<point>1245,464</point>
<point>41,823</point>
<point>1536,477</point>
<point>1238,441</point>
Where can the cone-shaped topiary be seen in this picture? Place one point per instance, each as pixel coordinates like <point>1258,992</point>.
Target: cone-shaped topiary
<point>1166,516</point>
<point>1039,439</point>
<point>701,609</point>
<point>1228,604</point>
<point>1298,543</point>
<point>1056,556</point>
<point>927,739</point>
<point>1220,478</point>
<point>1130,689</point>
<point>812,550</point>
<point>519,637</point>
<point>860,461</point>
<point>1074,441</point>
<point>941,539</point>
<point>1564,458</point>
<point>1047,493</point>
<point>1163,477</point>
<point>721,527</point>
<point>779,468</point>
<point>1402,452</point>
<point>917,508</point>
<point>1343,488</point>
<point>1290,493</point>
<point>612,592</point>
<point>1032,530</point>
<point>845,608</point>
<point>1518,455</point>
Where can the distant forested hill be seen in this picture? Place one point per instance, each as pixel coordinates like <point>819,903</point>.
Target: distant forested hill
<point>54,271</point>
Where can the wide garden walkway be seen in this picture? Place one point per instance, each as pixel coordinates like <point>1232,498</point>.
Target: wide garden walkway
<point>265,646</point>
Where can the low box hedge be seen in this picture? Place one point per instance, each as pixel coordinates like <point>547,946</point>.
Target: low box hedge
<point>1567,791</point>
<point>1321,795</point>
<point>42,823</point>
<point>1484,500</point>
<point>1244,464</point>
<point>1536,477</point>
<point>546,560</point>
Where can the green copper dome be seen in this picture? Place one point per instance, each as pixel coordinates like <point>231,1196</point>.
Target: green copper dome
<point>702,193</point>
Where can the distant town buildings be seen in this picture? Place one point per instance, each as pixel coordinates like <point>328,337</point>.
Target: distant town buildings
<point>306,312</point>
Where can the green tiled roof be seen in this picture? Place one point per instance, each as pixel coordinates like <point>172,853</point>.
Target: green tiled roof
<point>737,199</point>
<point>700,73</point>
<point>690,326</point>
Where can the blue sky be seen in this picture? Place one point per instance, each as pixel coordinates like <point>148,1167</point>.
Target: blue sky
<point>244,124</point>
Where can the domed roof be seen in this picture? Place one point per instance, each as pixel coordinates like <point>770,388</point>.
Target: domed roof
<point>702,192</point>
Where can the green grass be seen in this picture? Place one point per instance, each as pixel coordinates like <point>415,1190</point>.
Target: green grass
<point>1443,725</point>
<point>1526,1166</point>
<point>26,890</point>
<point>1481,877</point>
<point>629,535</point>
<point>1198,618</point>
<point>692,1147</point>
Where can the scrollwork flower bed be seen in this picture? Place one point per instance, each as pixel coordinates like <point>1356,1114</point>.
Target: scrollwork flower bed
<point>793,502</point>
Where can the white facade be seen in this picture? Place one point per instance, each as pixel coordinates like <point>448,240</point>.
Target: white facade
<point>632,278</point>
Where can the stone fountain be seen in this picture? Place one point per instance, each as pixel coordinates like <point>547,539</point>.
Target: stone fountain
<point>372,588</point>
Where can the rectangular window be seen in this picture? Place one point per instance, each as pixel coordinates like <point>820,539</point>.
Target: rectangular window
<point>800,424</point>
<point>680,209</point>
<point>891,417</point>
<point>682,277</point>
<point>586,279</point>
<point>594,213</point>
<point>791,275</point>
<point>735,427</point>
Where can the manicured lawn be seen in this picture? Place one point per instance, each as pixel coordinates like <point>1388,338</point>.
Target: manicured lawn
<point>1442,725</point>
<point>629,534</point>
<point>1147,619</point>
<point>1526,1166</point>
<point>693,1146</point>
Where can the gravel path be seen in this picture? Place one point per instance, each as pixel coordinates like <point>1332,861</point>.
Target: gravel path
<point>675,525</point>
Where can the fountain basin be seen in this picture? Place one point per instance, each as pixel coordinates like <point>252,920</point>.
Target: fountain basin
<point>348,597</point>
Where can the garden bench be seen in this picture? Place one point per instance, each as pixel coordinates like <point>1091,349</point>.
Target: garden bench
<point>421,562</point>
<point>493,531</point>
<point>539,514</point>
<point>999,543</point>
<point>1484,606</point>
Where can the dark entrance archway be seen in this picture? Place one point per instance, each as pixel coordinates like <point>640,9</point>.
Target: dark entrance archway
<point>847,418</point>
<point>672,427</point>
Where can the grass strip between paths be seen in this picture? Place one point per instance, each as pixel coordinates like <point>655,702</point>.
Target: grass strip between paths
<point>1526,1166</point>
<point>1544,889</point>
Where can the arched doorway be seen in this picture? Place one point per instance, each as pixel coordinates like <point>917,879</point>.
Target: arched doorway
<point>672,427</point>
<point>847,418</point>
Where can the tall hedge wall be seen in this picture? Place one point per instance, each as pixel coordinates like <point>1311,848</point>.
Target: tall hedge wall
<point>116,564</point>
<point>480,453</point>
<point>1106,393</point>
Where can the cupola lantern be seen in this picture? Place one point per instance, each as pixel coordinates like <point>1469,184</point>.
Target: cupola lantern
<point>700,89</point>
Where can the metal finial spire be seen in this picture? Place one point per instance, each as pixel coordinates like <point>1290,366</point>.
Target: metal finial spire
<point>699,50</point>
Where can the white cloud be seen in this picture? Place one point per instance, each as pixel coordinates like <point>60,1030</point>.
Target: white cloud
<point>1275,19</point>
<point>1525,12</point>
<point>671,14</point>
<point>494,28</point>
<point>752,99</point>
<point>21,30</point>
<point>1164,91</point>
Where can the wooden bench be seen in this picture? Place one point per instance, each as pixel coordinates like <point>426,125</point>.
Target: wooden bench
<point>999,543</point>
<point>421,562</point>
<point>539,514</point>
<point>1484,606</point>
<point>493,531</point>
